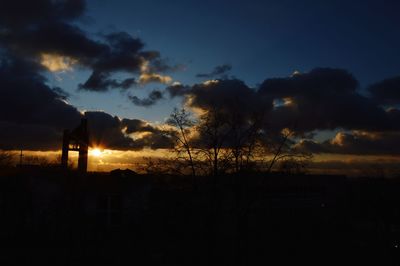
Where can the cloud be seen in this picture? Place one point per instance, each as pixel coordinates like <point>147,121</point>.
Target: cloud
<point>55,38</point>
<point>56,63</point>
<point>27,99</point>
<point>146,78</point>
<point>324,99</point>
<point>38,36</point>
<point>149,69</point>
<point>105,131</point>
<point>62,94</point>
<point>150,100</point>
<point>218,72</point>
<point>101,82</point>
<point>16,136</point>
<point>46,34</point>
<point>227,94</point>
<point>177,89</point>
<point>32,114</point>
<point>113,133</point>
<point>386,92</point>
<point>41,36</point>
<point>18,13</point>
<point>136,125</point>
<point>356,143</point>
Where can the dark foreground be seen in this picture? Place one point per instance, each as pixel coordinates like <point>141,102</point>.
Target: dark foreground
<point>54,218</point>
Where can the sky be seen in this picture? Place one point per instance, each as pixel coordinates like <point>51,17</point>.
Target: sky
<point>259,39</point>
<point>333,65</point>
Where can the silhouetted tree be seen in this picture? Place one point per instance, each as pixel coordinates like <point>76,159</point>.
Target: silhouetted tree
<point>245,131</point>
<point>159,166</point>
<point>183,123</point>
<point>280,147</point>
<point>296,165</point>
<point>214,129</point>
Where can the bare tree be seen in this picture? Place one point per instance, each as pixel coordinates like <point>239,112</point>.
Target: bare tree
<point>214,131</point>
<point>183,122</point>
<point>281,147</point>
<point>294,166</point>
<point>244,134</point>
<point>158,166</point>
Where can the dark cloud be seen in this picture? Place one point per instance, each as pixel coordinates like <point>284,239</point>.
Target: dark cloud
<point>176,90</point>
<point>136,125</point>
<point>113,133</point>
<point>27,99</point>
<point>386,92</point>
<point>356,143</point>
<point>150,100</point>
<point>54,38</point>
<point>15,136</point>
<point>218,72</point>
<point>227,94</point>
<point>19,13</point>
<point>163,65</point>
<point>62,94</point>
<point>101,82</point>
<point>124,54</point>
<point>323,99</point>
<point>47,29</point>
<point>154,141</point>
<point>318,82</point>
<point>33,115</point>
<point>105,131</point>
<point>154,138</point>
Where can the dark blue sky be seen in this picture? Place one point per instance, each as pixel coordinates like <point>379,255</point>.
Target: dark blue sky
<point>260,39</point>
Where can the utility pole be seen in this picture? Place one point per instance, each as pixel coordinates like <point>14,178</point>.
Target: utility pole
<point>20,158</point>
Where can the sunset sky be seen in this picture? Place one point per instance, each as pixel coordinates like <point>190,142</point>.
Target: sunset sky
<point>331,68</point>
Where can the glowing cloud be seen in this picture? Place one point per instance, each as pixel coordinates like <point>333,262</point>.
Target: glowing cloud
<point>296,73</point>
<point>146,78</point>
<point>210,82</point>
<point>147,75</point>
<point>339,139</point>
<point>57,63</point>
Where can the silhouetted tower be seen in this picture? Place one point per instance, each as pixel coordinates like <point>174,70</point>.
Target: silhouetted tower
<point>77,140</point>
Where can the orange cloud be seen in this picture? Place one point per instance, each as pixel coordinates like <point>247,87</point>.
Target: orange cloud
<point>57,63</point>
<point>146,78</point>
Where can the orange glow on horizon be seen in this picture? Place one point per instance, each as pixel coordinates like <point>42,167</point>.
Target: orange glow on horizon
<point>105,160</point>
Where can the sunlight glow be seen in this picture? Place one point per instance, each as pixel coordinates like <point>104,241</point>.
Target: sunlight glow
<point>96,152</point>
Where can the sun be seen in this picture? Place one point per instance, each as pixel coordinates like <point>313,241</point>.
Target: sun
<point>96,152</point>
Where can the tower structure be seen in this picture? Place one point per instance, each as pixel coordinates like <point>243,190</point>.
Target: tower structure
<point>76,140</point>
